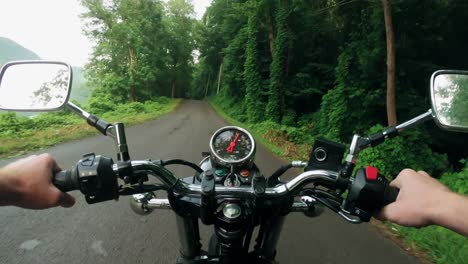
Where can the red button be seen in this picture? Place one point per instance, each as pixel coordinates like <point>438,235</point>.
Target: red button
<point>245,173</point>
<point>371,173</point>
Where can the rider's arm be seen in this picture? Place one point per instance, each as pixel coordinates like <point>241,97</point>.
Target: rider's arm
<point>27,183</point>
<point>424,201</point>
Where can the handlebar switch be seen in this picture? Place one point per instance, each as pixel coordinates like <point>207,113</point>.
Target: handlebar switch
<point>366,194</point>
<point>96,177</point>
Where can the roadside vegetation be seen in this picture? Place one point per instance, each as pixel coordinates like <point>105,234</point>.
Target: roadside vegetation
<point>294,71</point>
<point>142,57</point>
<point>20,134</point>
<point>439,245</point>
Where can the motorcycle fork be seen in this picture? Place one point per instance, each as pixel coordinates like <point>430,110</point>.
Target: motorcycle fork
<point>268,236</point>
<point>189,237</point>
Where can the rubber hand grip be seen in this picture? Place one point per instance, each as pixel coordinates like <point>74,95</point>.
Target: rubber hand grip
<point>65,181</point>
<point>390,195</point>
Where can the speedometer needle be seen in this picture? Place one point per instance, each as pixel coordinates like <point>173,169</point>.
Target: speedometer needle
<point>232,145</point>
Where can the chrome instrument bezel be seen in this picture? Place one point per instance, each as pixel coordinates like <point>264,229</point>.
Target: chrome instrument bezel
<point>237,163</point>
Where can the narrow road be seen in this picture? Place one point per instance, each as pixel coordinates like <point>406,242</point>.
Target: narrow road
<point>111,233</point>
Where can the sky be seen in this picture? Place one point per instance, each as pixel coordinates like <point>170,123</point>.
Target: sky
<point>52,28</point>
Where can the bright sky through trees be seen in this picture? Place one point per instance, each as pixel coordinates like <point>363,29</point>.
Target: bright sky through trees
<point>52,28</point>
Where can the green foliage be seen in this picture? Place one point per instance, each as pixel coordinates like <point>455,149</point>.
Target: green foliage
<point>275,106</point>
<point>253,90</point>
<point>101,102</point>
<point>443,246</point>
<point>232,108</point>
<point>144,47</point>
<point>19,135</point>
<point>10,124</point>
<point>457,181</point>
<point>409,150</point>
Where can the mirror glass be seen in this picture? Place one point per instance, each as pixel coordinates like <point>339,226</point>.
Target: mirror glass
<point>34,86</point>
<point>450,100</point>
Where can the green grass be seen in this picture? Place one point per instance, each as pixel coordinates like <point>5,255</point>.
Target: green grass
<point>47,130</point>
<point>440,244</point>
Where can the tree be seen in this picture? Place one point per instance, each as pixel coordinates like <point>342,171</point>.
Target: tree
<point>180,44</point>
<point>253,81</point>
<point>391,104</point>
<point>129,60</point>
<point>278,68</point>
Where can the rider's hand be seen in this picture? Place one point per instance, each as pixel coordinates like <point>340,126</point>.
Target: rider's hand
<point>419,200</point>
<point>27,183</point>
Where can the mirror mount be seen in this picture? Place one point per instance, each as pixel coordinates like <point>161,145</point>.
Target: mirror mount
<point>115,131</point>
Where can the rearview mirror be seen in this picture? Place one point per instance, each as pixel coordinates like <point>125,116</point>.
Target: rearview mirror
<point>449,90</point>
<point>34,85</point>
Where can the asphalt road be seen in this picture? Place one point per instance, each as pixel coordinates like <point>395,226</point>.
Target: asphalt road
<point>111,233</point>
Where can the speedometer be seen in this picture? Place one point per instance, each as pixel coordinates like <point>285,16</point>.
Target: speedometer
<point>232,146</point>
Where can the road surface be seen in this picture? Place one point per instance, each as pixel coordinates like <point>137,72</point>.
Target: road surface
<point>111,233</point>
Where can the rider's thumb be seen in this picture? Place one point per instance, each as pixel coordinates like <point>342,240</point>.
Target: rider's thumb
<point>66,200</point>
<point>389,212</point>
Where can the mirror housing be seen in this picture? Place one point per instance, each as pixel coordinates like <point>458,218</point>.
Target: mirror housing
<point>449,96</point>
<point>35,85</point>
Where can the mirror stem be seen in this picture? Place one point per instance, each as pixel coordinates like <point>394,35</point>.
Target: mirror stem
<point>78,110</point>
<point>415,121</point>
<point>116,131</point>
<point>92,120</point>
<point>359,143</point>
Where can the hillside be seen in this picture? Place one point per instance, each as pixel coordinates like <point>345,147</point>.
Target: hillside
<point>10,50</point>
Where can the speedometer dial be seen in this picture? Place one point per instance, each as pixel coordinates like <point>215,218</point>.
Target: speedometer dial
<point>232,145</point>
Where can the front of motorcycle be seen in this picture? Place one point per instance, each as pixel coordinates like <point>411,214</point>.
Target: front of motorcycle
<point>227,190</point>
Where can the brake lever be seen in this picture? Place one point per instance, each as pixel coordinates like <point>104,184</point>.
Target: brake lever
<point>343,214</point>
<point>351,219</point>
<point>127,190</point>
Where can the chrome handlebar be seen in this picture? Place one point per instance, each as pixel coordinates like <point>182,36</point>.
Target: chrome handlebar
<point>143,204</point>
<point>170,181</point>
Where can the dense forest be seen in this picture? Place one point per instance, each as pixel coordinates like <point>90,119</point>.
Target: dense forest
<point>321,65</point>
<point>318,68</point>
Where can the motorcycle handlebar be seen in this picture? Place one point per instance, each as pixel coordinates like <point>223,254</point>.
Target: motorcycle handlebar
<point>66,181</point>
<point>97,179</point>
<point>327,178</point>
<point>69,181</point>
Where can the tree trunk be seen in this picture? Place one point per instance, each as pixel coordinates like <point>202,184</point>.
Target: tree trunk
<point>131,88</point>
<point>207,84</point>
<point>391,102</point>
<point>173,88</point>
<point>271,34</point>
<point>219,76</point>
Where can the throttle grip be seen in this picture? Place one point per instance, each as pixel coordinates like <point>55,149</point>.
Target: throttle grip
<point>390,195</point>
<point>66,181</point>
